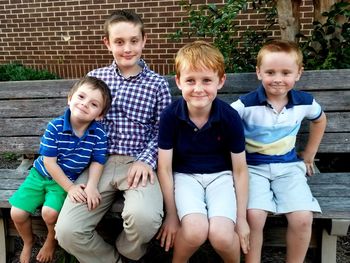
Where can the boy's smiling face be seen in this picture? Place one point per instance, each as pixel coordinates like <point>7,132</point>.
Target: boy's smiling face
<point>126,44</point>
<point>86,104</point>
<point>199,87</point>
<point>278,72</point>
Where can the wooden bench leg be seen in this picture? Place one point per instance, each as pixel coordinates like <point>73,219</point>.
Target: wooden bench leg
<point>329,248</point>
<point>329,240</point>
<point>2,241</point>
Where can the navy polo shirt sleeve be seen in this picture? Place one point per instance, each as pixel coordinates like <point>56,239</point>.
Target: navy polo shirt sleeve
<point>236,131</point>
<point>166,129</point>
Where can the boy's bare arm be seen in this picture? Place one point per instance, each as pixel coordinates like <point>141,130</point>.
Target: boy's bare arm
<point>91,190</point>
<point>168,230</point>
<point>75,192</point>
<point>316,132</point>
<point>240,174</point>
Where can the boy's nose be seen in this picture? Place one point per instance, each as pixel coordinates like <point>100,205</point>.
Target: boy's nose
<point>198,88</point>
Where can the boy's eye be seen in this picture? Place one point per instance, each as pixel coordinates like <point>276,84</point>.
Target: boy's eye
<point>134,41</point>
<point>190,81</point>
<point>207,80</point>
<point>80,96</point>
<point>95,105</point>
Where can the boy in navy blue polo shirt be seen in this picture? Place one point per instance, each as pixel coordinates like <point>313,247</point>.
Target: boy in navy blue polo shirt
<point>201,151</point>
<point>272,116</point>
<point>70,144</point>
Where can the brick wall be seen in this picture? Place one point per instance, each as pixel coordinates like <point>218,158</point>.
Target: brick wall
<point>65,37</point>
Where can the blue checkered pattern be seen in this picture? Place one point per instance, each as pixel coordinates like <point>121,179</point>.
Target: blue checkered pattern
<point>137,101</point>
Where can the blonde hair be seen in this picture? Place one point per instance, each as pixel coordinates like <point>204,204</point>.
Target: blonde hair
<point>199,55</point>
<point>281,46</point>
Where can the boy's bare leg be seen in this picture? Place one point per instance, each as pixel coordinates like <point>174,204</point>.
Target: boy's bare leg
<point>23,223</point>
<point>256,220</point>
<point>226,245</point>
<point>191,235</point>
<point>298,235</point>
<point>48,249</point>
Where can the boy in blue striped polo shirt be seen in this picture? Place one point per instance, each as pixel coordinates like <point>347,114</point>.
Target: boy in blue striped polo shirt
<point>71,143</point>
<point>272,116</point>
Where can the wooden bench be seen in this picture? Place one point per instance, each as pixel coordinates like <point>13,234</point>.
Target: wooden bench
<point>27,106</point>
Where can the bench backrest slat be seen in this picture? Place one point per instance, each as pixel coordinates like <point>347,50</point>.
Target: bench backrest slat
<point>27,106</point>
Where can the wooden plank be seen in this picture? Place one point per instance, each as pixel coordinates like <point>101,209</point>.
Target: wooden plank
<point>24,126</point>
<point>329,178</point>
<point>20,145</point>
<point>32,108</point>
<point>336,122</point>
<point>331,142</point>
<point>338,79</point>
<point>2,240</point>
<point>36,89</point>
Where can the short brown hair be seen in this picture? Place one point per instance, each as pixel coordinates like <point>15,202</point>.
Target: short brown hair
<point>94,83</point>
<point>281,46</point>
<point>123,16</point>
<point>200,54</point>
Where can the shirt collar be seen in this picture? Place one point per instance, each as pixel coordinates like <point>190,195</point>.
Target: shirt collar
<point>67,127</point>
<point>293,97</point>
<point>141,63</point>
<point>181,112</point>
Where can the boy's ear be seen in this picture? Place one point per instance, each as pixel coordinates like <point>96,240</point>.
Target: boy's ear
<point>177,80</point>
<point>257,70</point>
<point>144,41</point>
<point>301,70</point>
<point>106,42</point>
<point>222,82</point>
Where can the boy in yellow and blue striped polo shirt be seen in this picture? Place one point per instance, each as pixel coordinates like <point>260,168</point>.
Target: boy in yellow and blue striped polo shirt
<point>272,116</point>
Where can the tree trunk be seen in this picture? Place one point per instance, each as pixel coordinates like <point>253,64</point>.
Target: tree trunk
<point>288,18</point>
<point>321,6</point>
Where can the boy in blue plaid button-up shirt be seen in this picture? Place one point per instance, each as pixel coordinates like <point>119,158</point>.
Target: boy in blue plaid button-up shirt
<point>139,95</point>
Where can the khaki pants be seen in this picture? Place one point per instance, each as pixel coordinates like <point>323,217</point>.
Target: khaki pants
<point>142,217</point>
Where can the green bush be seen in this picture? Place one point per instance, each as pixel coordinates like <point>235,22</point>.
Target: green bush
<point>16,71</point>
<point>329,45</point>
<point>217,23</point>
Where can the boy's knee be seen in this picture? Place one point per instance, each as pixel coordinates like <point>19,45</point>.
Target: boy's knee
<point>223,241</point>
<point>300,220</point>
<point>49,215</point>
<point>141,219</point>
<point>18,215</point>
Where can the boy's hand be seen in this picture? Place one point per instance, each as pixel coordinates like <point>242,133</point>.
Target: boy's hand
<point>93,197</point>
<point>167,232</point>
<point>243,231</point>
<point>139,171</point>
<point>309,162</point>
<point>76,193</point>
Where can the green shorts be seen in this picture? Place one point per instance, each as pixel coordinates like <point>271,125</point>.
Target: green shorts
<point>37,190</point>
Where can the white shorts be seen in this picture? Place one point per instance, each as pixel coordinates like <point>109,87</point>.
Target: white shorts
<point>280,188</point>
<point>209,194</point>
